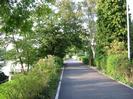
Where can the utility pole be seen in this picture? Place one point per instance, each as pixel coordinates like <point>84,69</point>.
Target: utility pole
<point>128,31</point>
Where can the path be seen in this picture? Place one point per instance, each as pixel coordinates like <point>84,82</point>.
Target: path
<point>81,82</point>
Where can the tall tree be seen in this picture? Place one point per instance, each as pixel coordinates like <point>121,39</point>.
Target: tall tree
<point>111,23</point>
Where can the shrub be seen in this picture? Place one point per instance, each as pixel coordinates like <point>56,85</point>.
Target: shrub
<point>39,83</point>
<point>115,63</point>
<point>85,60</point>
<point>112,63</point>
<point>58,61</point>
<point>101,62</point>
<point>118,66</point>
<point>116,47</point>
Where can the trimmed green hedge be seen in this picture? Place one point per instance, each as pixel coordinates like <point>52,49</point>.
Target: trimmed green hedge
<point>116,65</point>
<point>39,83</point>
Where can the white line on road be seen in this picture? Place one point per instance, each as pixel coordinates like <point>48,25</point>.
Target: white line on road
<point>59,85</point>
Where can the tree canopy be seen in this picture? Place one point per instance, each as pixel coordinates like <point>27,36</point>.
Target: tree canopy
<point>38,29</point>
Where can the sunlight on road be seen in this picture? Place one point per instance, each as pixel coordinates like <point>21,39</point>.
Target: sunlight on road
<point>72,61</point>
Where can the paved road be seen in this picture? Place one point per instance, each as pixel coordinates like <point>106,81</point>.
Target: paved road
<point>81,82</point>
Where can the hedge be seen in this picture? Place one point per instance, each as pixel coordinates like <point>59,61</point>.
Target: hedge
<point>118,66</point>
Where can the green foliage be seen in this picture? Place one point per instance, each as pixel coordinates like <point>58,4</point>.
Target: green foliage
<point>85,60</point>
<point>80,56</point>
<point>59,61</point>
<point>116,63</point>
<point>101,62</point>
<point>2,52</point>
<point>112,63</point>
<point>131,36</point>
<point>111,39</point>
<point>117,66</point>
<point>116,47</point>
<point>36,31</point>
<point>60,32</point>
<point>111,23</point>
<point>117,57</point>
<point>39,83</point>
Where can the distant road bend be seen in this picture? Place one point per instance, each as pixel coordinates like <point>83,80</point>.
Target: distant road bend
<point>82,82</point>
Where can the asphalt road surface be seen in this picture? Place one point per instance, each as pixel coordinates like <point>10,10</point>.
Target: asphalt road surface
<point>82,82</point>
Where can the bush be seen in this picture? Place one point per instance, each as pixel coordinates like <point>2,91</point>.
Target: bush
<point>117,66</point>
<point>101,62</point>
<point>85,60</point>
<point>39,83</point>
<point>112,64</point>
<point>115,63</point>
<point>59,61</point>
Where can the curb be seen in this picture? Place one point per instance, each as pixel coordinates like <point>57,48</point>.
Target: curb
<point>94,68</point>
<point>59,84</point>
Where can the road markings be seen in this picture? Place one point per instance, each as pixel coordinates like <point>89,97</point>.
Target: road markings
<point>59,85</point>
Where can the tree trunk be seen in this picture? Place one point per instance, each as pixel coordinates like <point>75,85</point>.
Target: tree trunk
<point>93,51</point>
<point>20,58</point>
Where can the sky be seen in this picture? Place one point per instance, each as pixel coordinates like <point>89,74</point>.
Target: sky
<point>130,2</point>
<point>77,0</point>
